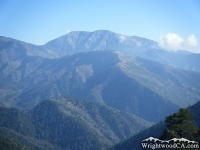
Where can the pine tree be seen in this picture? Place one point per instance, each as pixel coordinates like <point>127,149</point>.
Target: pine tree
<point>180,125</point>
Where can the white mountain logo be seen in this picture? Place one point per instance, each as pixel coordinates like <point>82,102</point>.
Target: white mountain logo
<point>152,139</point>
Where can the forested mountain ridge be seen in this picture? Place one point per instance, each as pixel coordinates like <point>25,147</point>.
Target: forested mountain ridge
<point>13,49</point>
<point>116,79</point>
<point>10,144</point>
<point>69,123</point>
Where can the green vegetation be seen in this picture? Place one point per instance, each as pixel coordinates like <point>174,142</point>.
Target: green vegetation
<point>180,125</point>
<point>11,144</point>
<point>16,120</point>
<point>183,124</point>
<point>69,123</point>
<point>62,130</point>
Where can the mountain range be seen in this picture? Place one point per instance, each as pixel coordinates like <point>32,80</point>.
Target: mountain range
<point>129,77</point>
<point>75,42</point>
<point>30,74</point>
<point>116,79</point>
<point>82,41</point>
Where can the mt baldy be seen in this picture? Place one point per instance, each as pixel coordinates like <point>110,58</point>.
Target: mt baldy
<point>81,41</point>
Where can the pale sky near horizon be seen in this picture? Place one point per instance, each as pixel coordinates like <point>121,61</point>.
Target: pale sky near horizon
<point>175,24</point>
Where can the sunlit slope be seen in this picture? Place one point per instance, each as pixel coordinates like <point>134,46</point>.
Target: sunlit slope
<point>116,79</point>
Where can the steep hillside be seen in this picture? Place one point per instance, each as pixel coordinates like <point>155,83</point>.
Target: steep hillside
<point>90,124</point>
<point>112,78</point>
<point>69,123</point>
<point>116,79</point>
<point>17,130</point>
<point>13,49</point>
<point>155,131</point>
<point>195,109</point>
<point>10,144</point>
<point>167,81</point>
<point>17,61</point>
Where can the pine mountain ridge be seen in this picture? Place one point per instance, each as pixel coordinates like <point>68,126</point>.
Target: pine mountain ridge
<point>69,123</point>
<point>116,79</point>
<point>11,144</point>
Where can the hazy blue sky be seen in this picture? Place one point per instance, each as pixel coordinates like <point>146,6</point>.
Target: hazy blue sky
<point>165,21</point>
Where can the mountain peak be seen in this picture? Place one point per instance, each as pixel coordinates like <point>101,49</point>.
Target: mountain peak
<point>81,41</point>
